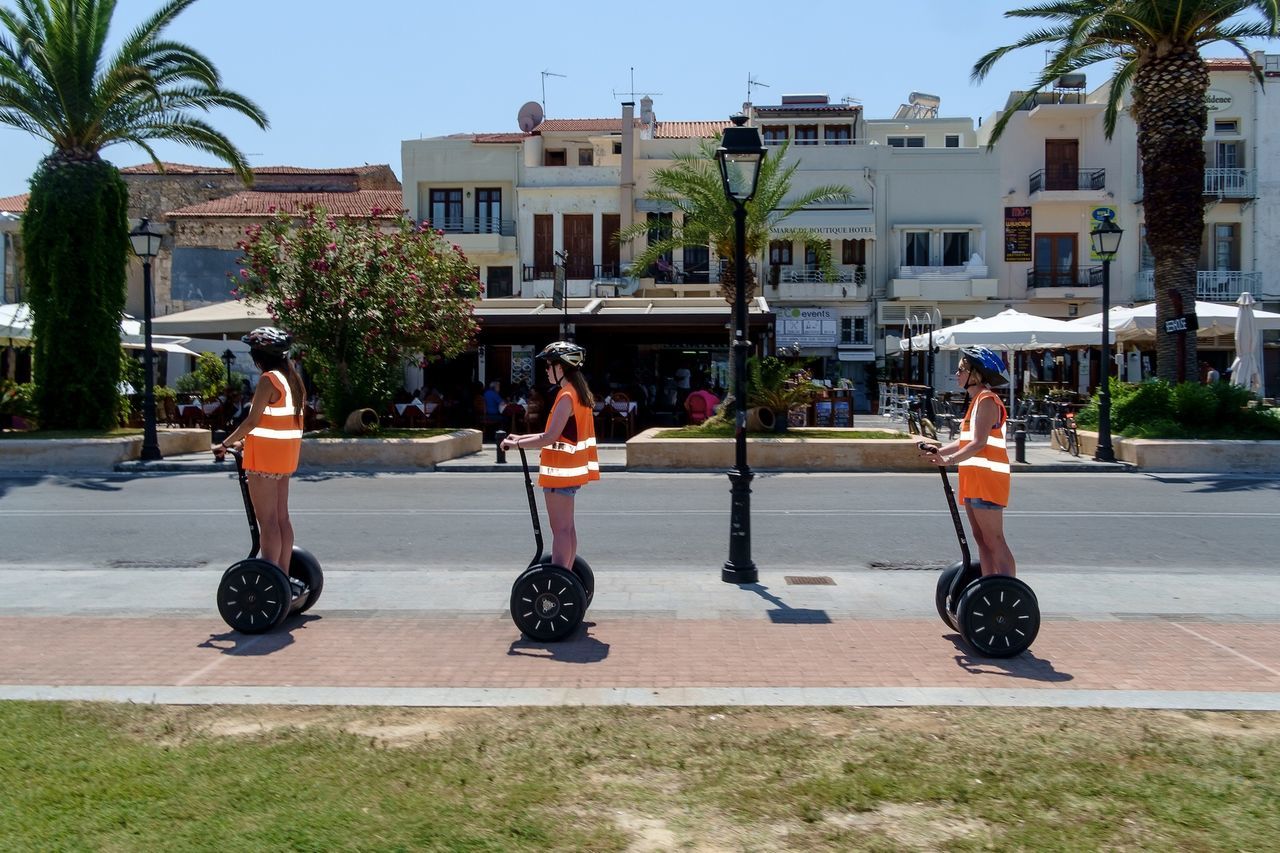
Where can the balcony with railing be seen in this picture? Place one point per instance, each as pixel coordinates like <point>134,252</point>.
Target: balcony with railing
<point>571,176</point>
<point>1058,279</point>
<point>846,281</point>
<point>1211,285</point>
<point>479,233</point>
<point>1221,183</point>
<point>1068,180</point>
<point>943,283</point>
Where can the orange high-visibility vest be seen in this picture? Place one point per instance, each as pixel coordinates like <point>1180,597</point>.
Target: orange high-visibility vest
<point>571,460</point>
<point>272,447</point>
<point>985,475</point>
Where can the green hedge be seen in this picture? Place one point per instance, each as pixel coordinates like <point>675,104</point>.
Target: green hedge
<point>1158,409</point>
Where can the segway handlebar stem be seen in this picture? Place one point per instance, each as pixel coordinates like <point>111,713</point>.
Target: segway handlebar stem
<point>533,506</point>
<point>255,541</point>
<point>951,504</point>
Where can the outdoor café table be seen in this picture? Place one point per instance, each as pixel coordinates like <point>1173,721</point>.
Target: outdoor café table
<point>425,408</point>
<point>627,408</point>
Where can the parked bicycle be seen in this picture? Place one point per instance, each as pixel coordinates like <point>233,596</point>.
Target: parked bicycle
<point>918,420</point>
<point>1064,430</point>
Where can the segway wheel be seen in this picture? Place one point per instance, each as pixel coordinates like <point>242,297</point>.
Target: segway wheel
<point>547,603</point>
<point>253,597</point>
<point>998,616</point>
<point>582,570</point>
<point>306,568</point>
<point>943,590</point>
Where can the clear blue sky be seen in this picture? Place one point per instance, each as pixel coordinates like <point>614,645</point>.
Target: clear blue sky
<point>344,84</point>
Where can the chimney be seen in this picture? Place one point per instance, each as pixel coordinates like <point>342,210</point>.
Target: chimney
<point>646,111</point>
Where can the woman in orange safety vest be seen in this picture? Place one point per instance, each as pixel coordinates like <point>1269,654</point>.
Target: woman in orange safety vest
<point>568,460</point>
<point>982,458</point>
<point>272,437</point>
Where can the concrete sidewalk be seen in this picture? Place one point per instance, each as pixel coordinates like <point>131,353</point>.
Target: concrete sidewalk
<point>654,636</point>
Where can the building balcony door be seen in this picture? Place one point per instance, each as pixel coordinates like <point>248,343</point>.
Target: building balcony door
<point>1061,164</point>
<point>579,244</point>
<point>1055,260</point>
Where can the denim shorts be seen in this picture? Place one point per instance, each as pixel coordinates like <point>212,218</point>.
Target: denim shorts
<point>567,491</point>
<point>979,503</point>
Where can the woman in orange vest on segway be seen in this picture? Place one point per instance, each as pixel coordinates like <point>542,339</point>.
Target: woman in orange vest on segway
<point>272,436</point>
<point>982,457</point>
<point>569,459</point>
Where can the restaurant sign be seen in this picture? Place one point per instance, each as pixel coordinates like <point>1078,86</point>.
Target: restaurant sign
<point>1017,234</point>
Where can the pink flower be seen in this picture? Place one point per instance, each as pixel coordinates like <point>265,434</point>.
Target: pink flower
<point>244,274</point>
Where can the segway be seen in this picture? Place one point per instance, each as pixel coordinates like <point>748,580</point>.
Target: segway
<point>549,601</point>
<point>254,596</point>
<point>997,615</point>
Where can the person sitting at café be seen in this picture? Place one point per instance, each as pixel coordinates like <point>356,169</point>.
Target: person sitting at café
<point>701,404</point>
<point>493,402</point>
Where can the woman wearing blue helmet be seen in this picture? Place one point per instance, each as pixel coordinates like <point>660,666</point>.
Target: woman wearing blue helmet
<point>982,458</point>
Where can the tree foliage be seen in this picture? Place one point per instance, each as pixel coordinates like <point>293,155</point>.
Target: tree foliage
<point>1155,45</point>
<point>360,296</point>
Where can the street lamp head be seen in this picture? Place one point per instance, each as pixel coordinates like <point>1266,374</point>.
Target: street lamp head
<point>228,357</point>
<point>146,242</point>
<point>739,156</point>
<point>1106,238</point>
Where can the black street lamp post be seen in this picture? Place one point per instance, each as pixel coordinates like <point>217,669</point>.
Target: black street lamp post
<point>740,154</point>
<point>146,244</point>
<point>1106,242</point>
<point>228,358</point>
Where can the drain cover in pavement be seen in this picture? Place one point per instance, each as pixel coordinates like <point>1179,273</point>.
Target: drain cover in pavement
<point>810,580</point>
<point>907,566</point>
<point>156,564</point>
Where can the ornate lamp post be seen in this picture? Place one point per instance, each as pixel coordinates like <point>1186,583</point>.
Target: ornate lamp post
<point>228,358</point>
<point>146,245</point>
<point>1106,242</point>
<point>740,154</point>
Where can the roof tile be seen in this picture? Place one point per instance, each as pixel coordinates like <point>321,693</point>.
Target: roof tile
<point>14,203</point>
<point>260,204</point>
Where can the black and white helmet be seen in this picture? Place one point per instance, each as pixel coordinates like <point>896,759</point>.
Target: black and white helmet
<point>565,353</point>
<point>269,339</point>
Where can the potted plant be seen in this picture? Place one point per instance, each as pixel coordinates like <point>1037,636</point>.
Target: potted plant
<point>774,388</point>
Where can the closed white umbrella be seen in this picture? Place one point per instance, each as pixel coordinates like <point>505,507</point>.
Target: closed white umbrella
<point>1246,370</point>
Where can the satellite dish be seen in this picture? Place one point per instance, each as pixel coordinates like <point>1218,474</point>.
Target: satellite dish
<point>530,116</point>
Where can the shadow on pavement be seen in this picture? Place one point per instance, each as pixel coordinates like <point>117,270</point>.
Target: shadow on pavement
<point>1025,666</point>
<point>785,614</point>
<point>249,645</point>
<point>580,648</point>
<point>1211,483</point>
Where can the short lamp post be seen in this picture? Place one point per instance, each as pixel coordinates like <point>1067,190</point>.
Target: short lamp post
<point>739,156</point>
<point>1106,242</point>
<point>228,358</point>
<point>146,245</point>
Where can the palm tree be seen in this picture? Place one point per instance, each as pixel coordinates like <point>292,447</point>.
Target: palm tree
<point>57,83</point>
<point>1156,45</point>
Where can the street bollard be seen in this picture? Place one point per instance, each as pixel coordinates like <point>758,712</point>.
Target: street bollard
<point>1020,446</point>
<point>497,440</point>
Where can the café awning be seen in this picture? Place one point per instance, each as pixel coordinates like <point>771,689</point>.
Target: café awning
<point>832,222</point>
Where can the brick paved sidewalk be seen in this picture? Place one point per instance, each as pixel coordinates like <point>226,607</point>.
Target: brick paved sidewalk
<point>371,658</point>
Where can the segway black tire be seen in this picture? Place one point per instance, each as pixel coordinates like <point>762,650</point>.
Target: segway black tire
<point>943,590</point>
<point>582,570</point>
<point>306,568</point>
<point>547,603</point>
<point>253,596</point>
<point>998,616</point>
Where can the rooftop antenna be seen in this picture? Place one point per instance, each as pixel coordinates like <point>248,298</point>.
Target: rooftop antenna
<point>545,75</point>
<point>753,83</point>
<point>633,91</point>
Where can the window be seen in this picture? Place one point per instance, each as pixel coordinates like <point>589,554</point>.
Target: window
<point>1226,127</point>
<point>780,252</point>
<point>586,157</point>
<point>446,209</point>
<point>853,252</point>
<point>837,134</point>
<point>1227,155</point>
<point>906,141</point>
<point>853,330</point>
<point>554,158</point>
<point>617,148</point>
<point>810,256</point>
<point>499,283</point>
<point>775,135</point>
<point>1146,260</point>
<point>915,250</point>
<point>952,140</point>
<point>488,211</point>
<point>955,248</point>
<point>1226,246</point>
<point>807,134</point>
<point>660,228</point>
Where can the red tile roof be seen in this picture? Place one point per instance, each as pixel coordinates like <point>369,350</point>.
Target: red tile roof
<point>260,204</point>
<point>185,169</point>
<point>689,129</point>
<point>499,137</point>
<point>1225,63</point>
<point>662,129</point>
<point>562,125</point>
<point>14,203</point>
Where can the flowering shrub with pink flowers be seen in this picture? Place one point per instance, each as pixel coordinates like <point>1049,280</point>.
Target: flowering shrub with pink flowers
<point>360,295</point>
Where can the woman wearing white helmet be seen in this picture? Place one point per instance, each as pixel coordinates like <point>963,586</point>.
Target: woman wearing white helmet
<point>982,458</point>
<point>569,460</point>
<point>272,436</point>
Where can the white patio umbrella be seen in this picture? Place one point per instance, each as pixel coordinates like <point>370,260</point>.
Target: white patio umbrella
<point>1139,323</point>
<point>1009,330</point>
<point>15,322</point>
<point>1246,370</point>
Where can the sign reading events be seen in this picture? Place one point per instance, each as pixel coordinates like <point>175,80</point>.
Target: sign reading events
<point>809,327</point>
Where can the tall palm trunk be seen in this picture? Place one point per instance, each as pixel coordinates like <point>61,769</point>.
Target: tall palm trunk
<point>1169,109</point>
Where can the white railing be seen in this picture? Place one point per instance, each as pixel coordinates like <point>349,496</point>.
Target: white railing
<point>942,272</point>
<point>1224,183</point>
<point>1211,285</point>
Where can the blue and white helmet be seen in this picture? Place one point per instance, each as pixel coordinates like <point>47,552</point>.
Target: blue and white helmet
<point>989,364</point>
